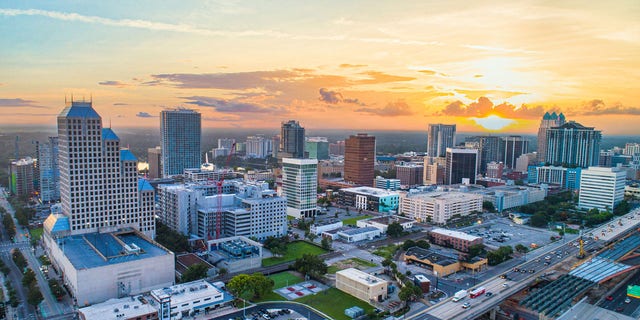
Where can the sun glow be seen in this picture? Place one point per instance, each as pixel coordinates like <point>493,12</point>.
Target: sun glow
<point>493,122</point>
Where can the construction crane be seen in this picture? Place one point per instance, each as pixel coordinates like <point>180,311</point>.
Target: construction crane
<point>219,185</point>
<point>581,253</point>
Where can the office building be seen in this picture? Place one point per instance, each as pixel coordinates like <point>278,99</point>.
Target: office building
<point>370,199</point>
<point>631,149</point>
<point>439,138</point>
<point>433,171</point>
<point>337,148</point>
<point>573,144</point>
<point>494,170</point>
<point>387,184</point>
<point>601,188</point>
<point>507,196</point>
<point>300,186</point>
<point>22,177</point>
<point>461,165</point>
<point>438,207</point>
<point>443,263</point>
<point>154,158</point>
<point>566,178</point>
<point>410,174</point>
<point>514,147</point>
<point>258,147</point>
<point>226,143</point>
<point>605,159</point>
<point>291,140</point>
<point>359,159</point>
<point>382,223</point>
<point>490,149</point>
<point>362,285</point>
<point>450,238</point>
<point>180,138</point>
<point>49,170</point>
<point>548,121</point>
<point>523,162</point>
<point>317,148</point>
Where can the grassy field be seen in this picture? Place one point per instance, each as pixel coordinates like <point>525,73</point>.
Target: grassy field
<point>295,250</point>
<point>386,251</point>
<point>353,220</point>
<point>36,233</point>
<point>350,263</point>
<point>333,302</point>
<point>280,280</point>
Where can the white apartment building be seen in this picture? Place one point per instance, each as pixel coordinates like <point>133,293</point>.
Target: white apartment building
<point>438,207</point>
<point>300,186</point>
<point>601,188</point>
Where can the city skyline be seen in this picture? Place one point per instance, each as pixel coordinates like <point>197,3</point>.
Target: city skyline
<point>493,66</point>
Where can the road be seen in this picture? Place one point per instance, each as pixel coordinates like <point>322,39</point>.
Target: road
<point>617,303</point>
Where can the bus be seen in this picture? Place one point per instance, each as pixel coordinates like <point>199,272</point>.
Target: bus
<point>476,292</point>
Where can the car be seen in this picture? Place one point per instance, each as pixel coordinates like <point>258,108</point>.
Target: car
<point>466,305</point>
<point>489,294</point>
<point>503,276</point>
<point>538,260</point>
<point>505,285</point>
<point>627,300</point>
<point>523,271</point>
<point>532,271</point>
<point>609,298</point>
<point>619,309</point>
<point>547,258</point>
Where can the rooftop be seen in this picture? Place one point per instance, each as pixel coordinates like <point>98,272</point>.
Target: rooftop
<point>130,308</point>
<point>446,195</point>
<point>127,155</point>
<point>434,257</point>
<point>79,109</point>
<point>371,191</point>
<point>351,232</point>
<point>108,134</point>
<point>144,185</point>
<point>360,276</point>
<point>185,292</point>
<point>390,219</point>
<point>95,250</point>
<point>455,234</point>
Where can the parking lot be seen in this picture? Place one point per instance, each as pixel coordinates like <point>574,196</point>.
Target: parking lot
<point>503,232</point>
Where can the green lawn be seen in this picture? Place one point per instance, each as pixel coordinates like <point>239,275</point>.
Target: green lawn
<point>350,263</point>
<point>280,280</point>
<point>36,233</point>
<point>354,219</point>
<point>295,250</point>
<point>333,302</point>
<point>386,251</point>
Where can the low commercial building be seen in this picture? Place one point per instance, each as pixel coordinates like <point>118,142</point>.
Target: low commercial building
<point>509,196</point>
<point>130,308</point>
<point>382,223</point>
<point>371,199</point>
<point>441,263</point>
<point>184,261</point>
<point>188,299</point>
<point>453,239</point>
<point>438,207</point>
<point>359,234</point>
<point>235,254</point>
<point>387,184</point>
<point>361,285</point>
<point>320,227</point>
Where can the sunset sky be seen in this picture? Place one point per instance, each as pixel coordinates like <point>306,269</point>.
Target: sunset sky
<point>365,65</point>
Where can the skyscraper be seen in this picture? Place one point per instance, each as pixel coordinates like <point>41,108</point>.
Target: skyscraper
<point>514,146</point>
<point>490,149</point>
<point>461,164</point>
<point>359,159</point>
<point>601,188</point>
<point>49,170</point>
<point>317,148</point>
<point>548,121</point>
<point>154,157</point>
<point>573,144</point>
<point>99,185</point>
<point>180,135</point>
<point>439,138</point>
<point>300,186</point>
<point>410,174</point>
<point>22,177</point>
<point>291,140</point>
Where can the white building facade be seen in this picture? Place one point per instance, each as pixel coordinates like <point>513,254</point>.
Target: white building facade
<point>439,207</point>
<point>601,188</point>
<point>300,186</point>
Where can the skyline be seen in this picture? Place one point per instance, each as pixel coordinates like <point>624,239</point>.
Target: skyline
<point>388,66</point>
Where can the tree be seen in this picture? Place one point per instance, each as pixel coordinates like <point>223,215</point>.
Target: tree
<point>326,243</point>
<point>34,297</point>
<point>538,220</point>
<point>311,236</point>
<point>250,286</point>
<point>488,205</point>
<point>475,250</point>
<point>387,262</point>
<point>28,278</point>
<point>240,285</point>
<point>171,239</point>
<point>277,246</point>
<point>311,265</point>
<point>261,284</point>
<point>424,244</point>
<point>521,248</point>
<point>195,272</point>
<point>395,230</point>
<point>408,244</point>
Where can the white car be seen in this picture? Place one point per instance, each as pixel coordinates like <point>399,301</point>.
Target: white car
<point>627,300</point>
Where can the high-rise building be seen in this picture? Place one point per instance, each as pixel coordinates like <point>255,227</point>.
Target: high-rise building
<point>514,146</point>
<point>291,140</point>
<point>439,138</point>
<point>337,148</point>
<point>226,143</point>
<point>98,180</point>
<point>359,159</point>
<point>49,170</point>
<point>461,164</point>
<point>154,157</point>
<point>317,148</point>
<point>573,144</point>
<point>300,186</point>
<point>548,121</point>
<point>490,149</point>
<point>601,188</point>
<point>606,158</point>
<point>494,170</point>
<point>631,148</point>
<point>180,136</point>
<point>433,173</point>
<point>410,174</point>
<point>22,177</point>
<point>258,147</point>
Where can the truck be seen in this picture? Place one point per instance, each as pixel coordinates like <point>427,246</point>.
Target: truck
<point>459,295</point>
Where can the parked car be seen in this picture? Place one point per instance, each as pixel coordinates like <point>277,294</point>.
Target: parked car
<point>609,298</point>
